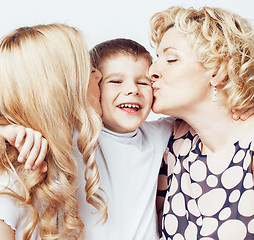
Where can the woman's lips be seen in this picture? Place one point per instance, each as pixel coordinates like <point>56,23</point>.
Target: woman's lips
<point>155,89</point>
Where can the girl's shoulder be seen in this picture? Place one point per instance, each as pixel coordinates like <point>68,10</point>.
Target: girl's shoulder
<point>9,206</point>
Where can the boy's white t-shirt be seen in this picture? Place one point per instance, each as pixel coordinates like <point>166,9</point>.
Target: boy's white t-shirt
<point>129,166</point>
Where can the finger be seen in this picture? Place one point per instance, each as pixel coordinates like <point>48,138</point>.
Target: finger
<point>8,132</point>
<point>20,134</point>
<point>43,167</point>
<point>247,114</point>
<point>237,114</point>
<point>28,144</point>
<point>42,154</point>
<point>244,116</point>
<point>34,151</point>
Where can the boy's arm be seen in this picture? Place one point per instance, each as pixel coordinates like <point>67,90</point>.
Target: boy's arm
<point>31,145</point>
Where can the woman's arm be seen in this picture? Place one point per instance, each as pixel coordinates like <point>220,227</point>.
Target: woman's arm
<point>6,232</point>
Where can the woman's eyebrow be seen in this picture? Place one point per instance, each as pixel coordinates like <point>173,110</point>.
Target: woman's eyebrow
<point>165,50</point>
<point>168,48</point>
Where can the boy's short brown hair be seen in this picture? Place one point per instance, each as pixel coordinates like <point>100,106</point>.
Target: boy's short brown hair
<point>116,46</point>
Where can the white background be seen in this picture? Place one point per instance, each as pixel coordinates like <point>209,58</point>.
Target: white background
<point>101,20</point>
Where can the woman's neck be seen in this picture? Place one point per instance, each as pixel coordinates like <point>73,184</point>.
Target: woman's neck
<point>215,126</point>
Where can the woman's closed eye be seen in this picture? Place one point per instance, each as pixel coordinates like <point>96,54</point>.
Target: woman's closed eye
<point>171,57</point>
<point>171,60</point>
<point>144,83</point>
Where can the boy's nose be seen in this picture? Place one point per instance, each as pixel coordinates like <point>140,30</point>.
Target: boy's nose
<point>136,93</point>
<point>132,89</point>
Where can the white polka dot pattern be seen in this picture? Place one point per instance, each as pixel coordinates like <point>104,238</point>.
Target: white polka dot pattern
<point>251,226</point>
<point>212,181</point>
<point>225,213</point>
<point>210,196</point>
<point>232,229</point>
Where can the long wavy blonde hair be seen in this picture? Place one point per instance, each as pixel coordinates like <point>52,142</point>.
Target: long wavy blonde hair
<point>220,39</point>
<point>44,75</point>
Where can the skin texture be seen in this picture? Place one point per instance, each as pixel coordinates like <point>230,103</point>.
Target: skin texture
<point>125,81</point>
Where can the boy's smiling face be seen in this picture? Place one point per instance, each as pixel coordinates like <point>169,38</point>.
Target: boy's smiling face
<point>126,92</point>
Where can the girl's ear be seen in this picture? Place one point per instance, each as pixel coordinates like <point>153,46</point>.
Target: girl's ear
<point>219,76</point>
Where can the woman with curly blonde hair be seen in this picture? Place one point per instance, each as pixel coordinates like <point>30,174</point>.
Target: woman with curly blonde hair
<point>44,78</point>
<point>204,69</point>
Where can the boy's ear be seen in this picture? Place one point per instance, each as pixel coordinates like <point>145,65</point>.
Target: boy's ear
<point>220,75</point>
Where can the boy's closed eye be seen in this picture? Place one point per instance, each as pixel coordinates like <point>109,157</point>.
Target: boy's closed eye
<point>144,83</point>
<point>171,60</point>
<point>115,81</point>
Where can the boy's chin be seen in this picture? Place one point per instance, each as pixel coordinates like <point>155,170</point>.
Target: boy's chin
<point>125,128</point>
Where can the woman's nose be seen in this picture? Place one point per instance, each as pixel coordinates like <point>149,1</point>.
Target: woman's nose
<point>154,73</point>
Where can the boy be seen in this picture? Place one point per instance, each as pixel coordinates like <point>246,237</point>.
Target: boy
<point>129,149</point>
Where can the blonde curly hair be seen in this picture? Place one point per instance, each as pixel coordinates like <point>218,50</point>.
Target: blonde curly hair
<point>220,39</point>
<point>44,76</point>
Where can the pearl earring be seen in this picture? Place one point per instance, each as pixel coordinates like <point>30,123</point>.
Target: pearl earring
<point>215,98</point>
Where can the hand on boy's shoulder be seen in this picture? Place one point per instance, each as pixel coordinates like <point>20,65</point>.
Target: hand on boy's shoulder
<point>242,114</point>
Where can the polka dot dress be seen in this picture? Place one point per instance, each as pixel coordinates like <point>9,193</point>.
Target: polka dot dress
<point>209,196</point>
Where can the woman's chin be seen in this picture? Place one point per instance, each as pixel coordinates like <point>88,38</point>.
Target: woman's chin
<point>157,109</point>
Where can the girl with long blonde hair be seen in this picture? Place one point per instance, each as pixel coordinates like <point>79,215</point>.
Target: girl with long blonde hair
<point>44,77</point>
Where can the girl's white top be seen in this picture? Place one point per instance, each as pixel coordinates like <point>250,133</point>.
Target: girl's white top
<point>11,212</point>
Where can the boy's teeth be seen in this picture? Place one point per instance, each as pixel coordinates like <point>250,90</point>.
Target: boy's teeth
<point>129,105</point>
